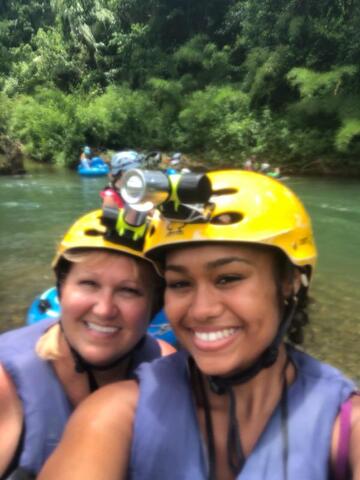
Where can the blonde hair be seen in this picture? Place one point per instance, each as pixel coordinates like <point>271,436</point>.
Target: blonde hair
<point>83,255</point>
<point>48,345</point>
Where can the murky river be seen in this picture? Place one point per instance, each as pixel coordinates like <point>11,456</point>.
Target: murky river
<point>36,209</point>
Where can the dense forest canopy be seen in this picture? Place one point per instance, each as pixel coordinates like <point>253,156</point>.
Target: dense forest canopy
<point>278,79</point>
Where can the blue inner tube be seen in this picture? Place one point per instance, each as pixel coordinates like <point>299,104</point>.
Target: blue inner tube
<point>160,328</point>
<point>47,305</point>
<point>44,306</point>
<point>97,168</point>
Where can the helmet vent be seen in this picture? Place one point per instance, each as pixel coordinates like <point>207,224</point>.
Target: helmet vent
<point>92,232</point>
<point>227,218</point>
<point>152,231</point>
<point>224,191</point>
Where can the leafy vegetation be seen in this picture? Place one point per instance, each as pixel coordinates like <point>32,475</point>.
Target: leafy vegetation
<point>225,80</point>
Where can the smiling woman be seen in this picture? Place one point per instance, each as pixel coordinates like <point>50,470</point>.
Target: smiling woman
<point>107,300</point>
<point>223,299</point>
<point>240,400</point>
<point>107,295</point>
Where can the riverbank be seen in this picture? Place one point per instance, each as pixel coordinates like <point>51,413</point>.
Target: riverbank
<point>317,167</point>
<point>324,168</point>
<point>14,162</point>
<point>11,156</point>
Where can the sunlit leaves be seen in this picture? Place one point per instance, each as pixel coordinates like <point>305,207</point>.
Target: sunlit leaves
<point>349,132</point>
<point>249,76</point>
<point>312,83</point>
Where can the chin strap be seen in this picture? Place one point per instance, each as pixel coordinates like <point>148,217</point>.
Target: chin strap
<point>223,385</point>
<point>219,385</point>
<point>83,366</point>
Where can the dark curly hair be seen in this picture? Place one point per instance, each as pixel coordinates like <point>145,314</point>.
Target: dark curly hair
<point>285,270</point>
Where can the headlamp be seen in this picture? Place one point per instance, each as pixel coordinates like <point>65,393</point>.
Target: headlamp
<point>146,189</point>
<point>181,197</point>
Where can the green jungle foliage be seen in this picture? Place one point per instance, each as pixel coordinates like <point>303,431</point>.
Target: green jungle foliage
<point>278,79</point>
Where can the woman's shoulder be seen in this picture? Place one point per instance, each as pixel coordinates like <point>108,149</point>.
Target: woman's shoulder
<point>110,408</point>
<point>355,434</point>
<point>100,429</point>
<point>165,348</point>
<point>10,419</point>
<point>7,388</point>
<point>109,411</point>
<point>125,389</point>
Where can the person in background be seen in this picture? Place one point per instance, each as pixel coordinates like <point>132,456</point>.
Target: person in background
<point>153,160</point>
<point>264,168</point>
<point>85,157</point>
<point>175,160</point>
<point>176,164</point>
<point>120,163</point>
<point>238,401</point>
<point>108,294</point>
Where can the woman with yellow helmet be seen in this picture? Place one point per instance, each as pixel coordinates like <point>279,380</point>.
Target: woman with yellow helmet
<point>238,401</point>
<point>108,296</point>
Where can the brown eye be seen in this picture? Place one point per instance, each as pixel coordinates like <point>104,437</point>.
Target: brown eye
<point>130,291</point>
<point>227,279</point>
<point>177,284</point>
<point>88,283</point>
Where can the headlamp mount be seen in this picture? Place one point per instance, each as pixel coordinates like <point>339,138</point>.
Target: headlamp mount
<point>125,226</point>
<point>180,197</point>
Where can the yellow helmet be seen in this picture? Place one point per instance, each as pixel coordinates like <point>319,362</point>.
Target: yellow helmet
<point>244,207</point>
<point>89,232</point>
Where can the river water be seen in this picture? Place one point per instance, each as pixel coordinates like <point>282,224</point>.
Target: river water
<point>36,209</point>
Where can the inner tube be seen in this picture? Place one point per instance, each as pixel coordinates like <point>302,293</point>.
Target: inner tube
<point>97,168</point>
<point>44,306</point>
<point>160,328</point>
<point>47,305</point>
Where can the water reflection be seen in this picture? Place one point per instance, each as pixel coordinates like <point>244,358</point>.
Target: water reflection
<point>335,209</point>
<point>35,210</point>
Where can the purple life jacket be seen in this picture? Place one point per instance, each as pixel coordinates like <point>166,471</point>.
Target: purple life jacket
<point>167,442</point>
<point>45,405</point>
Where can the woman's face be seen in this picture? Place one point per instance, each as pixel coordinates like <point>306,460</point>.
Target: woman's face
<point>106,304</point>
<point>223,303</point>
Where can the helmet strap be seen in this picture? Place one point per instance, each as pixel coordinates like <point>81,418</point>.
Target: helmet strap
<point>219,384</point>
<point>235,453</point>
<point>224,385</point>
<point>83,366</point>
